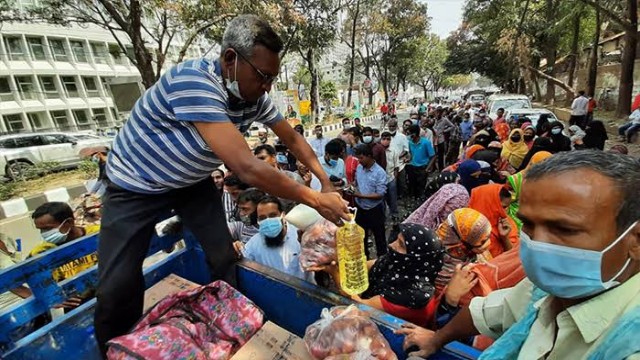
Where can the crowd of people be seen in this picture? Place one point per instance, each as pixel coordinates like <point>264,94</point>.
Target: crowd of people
<point>512,224</point>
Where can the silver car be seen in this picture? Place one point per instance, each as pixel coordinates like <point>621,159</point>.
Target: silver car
<point>20,152</point>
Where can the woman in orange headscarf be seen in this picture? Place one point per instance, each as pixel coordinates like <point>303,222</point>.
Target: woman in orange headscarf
<point>468,153</point>
<point>492,200</point>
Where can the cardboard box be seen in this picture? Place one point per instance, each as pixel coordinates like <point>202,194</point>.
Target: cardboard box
<point>167,286</point>
<point>273,343</point>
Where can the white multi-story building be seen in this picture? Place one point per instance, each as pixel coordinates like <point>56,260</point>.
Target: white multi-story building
<point>58,78</point>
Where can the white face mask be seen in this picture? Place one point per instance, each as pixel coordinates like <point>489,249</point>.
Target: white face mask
<point>233,86</point>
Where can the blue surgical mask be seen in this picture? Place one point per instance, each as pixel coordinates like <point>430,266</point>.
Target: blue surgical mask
<point>567,272</point>
<point>55,236</point>
<point>556,131</point>
<point>270,227</point>
<point>233,86</point>
<point>282,159</point>
<point>332,162</point>
<point>367,139</point>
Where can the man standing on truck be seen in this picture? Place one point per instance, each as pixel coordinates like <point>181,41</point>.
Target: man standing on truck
<point>183,127</point>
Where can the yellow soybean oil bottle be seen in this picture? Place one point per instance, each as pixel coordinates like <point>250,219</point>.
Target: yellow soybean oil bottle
<point>352,261</point>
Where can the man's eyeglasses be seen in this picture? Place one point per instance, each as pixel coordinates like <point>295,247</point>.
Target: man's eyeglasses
<point>266,79</point>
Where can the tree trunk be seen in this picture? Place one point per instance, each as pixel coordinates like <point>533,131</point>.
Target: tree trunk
<point>625,91</point>
<point>550,53</point>
<point>352,66</point>
<point>592,77</point>
<point>536,84</point>
<point>424,90</point>
<point>575,43</point>
<point>314,95</point>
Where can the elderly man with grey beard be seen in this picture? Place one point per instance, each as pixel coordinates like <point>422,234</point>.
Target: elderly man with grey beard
<point>181,129</point>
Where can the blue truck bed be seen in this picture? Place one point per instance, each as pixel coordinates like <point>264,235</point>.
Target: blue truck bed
<point>289,302</point>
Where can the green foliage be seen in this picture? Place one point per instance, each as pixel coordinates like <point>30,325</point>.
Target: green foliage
<point>328,91</point>
<point>89,169</point>
<point>7,190</point>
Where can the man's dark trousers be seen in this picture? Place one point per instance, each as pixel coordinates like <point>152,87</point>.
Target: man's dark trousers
<point>127,225</point>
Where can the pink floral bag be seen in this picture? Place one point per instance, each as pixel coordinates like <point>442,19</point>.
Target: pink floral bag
<point>208,322</point>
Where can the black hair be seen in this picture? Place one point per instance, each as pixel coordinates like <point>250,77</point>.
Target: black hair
<point>367,128</point>
<point>407,121</point>
<point>385,134</point>
<point>270,199</point>
<point>220,170</point>
<point>252,194</point>
<point>59,211</point>
<point>363,150</point>
<point>375,130</point>
<point>318,126</point>
<point>343,144</point>
<point>334,147</point>
<point>264,147</point>
<point>505,194</point>
<point>414,130</point>
<point>355,131</point>
<point>234,181</point>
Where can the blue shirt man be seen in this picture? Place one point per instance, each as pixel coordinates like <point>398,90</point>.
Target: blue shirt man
<point>333,164</point>
<point>371,183</point>
<point>466,127</point>
<point>319,142</point>
<point>182,128</point>
<point>421,151</point>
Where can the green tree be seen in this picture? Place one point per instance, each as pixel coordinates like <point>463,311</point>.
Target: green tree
<point>428,68</point>
<point>623,13</point>
<point>328,92</point>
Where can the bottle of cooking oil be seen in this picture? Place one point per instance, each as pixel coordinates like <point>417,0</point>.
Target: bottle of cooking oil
<point>352,261</point>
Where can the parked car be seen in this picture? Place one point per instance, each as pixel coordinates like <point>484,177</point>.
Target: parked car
<point>20,152</point>
<point>507,102</point>
<point>477,99</point>
<point>531,114</point>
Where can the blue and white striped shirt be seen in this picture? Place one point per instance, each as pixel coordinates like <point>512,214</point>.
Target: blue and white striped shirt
<point>159,148</point>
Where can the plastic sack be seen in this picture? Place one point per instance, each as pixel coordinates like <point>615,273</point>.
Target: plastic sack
<point>346,333</point>
<point>318,244</point>
<point>302,216</point>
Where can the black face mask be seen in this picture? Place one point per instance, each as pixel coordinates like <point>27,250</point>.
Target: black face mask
<point>516,138</point>
<point>277,241</point>
<point>528,137</point>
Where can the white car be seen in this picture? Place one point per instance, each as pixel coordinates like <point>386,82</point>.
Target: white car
<point>531,114</point>
<point>20,152</point>
<point>507,102</point>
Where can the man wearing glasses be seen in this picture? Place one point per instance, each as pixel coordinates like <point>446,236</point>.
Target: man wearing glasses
<point>183,127</point>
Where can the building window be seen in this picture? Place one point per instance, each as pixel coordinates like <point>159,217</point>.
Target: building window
<point>5,90</point>
<point>37,48</point>
<point>77,47</point>
<point>25,86</point>
<point>58,50</point>
<point>13,44</point>
<point>13,122</point>
<point>100,117</point>
<point>80,116</point>
<point>35,121</point>
<point>90,86</point>
<point>60,118</point>
<point>105,86</point>
<point>69,83</point>
<point>100,54</point>
<point>48,85</point>
<point>118,56</point>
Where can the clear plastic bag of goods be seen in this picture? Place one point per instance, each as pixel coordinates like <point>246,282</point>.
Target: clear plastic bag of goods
<point>346,333</point>
<point>302,216</point>
<point>318,244</point>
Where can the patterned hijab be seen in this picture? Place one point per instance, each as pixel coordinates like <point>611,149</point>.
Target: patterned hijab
<point>463,226</point>
<point>445,177</point>
<point>436,209</point>
<point>407,279</point>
